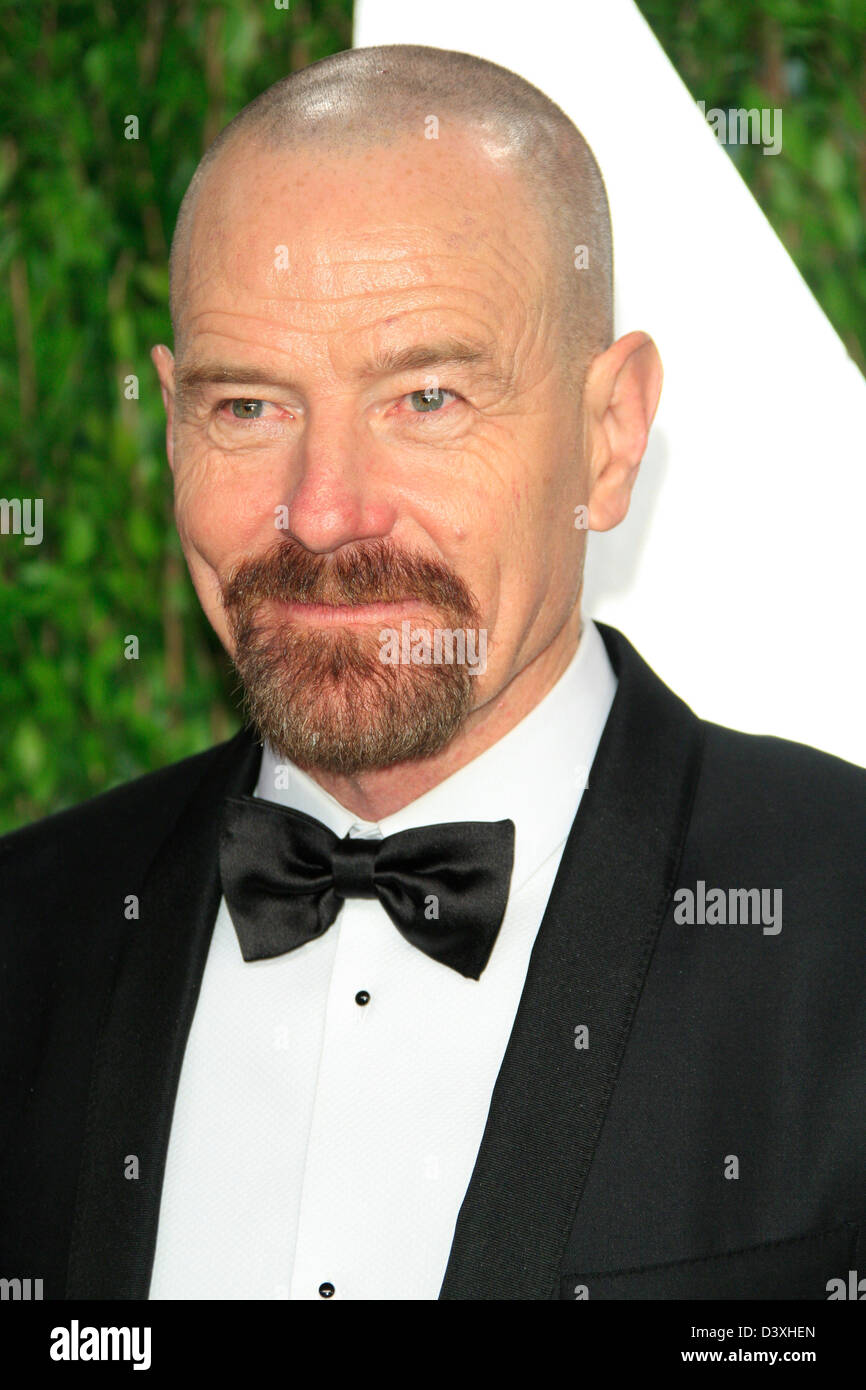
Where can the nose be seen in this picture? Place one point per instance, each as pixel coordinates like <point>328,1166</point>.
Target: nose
<point>337,490</point>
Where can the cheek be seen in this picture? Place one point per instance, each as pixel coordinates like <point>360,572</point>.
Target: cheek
<point>222,507</point>
<point>538,546</point>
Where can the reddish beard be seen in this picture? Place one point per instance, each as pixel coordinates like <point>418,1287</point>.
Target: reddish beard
<point>321,696</point>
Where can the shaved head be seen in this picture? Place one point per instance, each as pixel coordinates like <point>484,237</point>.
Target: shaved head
<point>366,98</point>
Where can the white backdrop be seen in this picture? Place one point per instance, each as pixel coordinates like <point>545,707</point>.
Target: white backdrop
<point>739,572</point>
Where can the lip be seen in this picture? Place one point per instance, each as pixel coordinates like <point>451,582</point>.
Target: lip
<point>328,615</point>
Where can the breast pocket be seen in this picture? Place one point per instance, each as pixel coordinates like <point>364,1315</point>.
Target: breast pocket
<point>799,1268</point>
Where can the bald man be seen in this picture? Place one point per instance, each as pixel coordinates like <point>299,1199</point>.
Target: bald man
<point>475,966</point>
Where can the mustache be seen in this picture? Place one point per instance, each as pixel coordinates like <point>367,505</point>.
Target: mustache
<point>369,572</point>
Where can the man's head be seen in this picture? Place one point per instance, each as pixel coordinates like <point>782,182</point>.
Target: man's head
<point>395,385</point>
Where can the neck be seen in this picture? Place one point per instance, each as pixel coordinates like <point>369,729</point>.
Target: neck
<point>382,791</point>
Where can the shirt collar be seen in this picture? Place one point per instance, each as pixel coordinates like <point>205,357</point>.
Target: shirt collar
<point>534,775</point>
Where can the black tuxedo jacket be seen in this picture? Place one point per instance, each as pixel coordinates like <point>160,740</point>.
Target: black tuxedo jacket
<point>708,1142</point>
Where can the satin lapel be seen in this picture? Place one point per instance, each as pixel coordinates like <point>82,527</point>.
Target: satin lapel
<point>142,1042</point>
<point>587,968</point>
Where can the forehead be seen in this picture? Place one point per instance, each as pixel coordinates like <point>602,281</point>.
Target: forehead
<point>324,239</point>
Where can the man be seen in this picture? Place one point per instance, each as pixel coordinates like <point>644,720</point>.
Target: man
<point>477,967</point>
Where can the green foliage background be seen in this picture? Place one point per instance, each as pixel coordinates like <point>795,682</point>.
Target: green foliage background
<point>86,223</point>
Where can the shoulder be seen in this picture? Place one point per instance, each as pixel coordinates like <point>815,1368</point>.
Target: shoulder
<point>751,790</point>
<point>781,783</point>
<point>772,814</point>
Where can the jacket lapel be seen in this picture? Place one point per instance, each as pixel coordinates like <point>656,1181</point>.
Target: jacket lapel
<point>588,965</point>
<point>143,1038</point>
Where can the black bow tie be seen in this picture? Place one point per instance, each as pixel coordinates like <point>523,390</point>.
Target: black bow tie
<point>285,876</point>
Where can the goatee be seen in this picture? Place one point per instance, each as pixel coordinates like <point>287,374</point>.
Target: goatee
<point>322,697</point>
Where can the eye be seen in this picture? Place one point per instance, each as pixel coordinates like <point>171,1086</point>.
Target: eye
<point>245,409</point>
<point>428,400</point>
<point>249,410</point>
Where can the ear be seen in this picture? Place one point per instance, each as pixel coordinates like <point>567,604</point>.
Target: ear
<point>164,363</point>
<point>620,397</point>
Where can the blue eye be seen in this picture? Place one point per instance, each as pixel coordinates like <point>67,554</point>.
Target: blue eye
<point>247,409</point>
<point>428,400</point>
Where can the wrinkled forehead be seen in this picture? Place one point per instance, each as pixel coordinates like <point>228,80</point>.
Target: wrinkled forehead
<point>321,227</point>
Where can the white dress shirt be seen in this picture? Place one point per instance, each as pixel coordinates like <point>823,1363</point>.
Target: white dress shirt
<point>319,1142</point>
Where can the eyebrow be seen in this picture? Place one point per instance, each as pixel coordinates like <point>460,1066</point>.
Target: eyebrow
<point>447,352</point>
<point>452,352</point>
